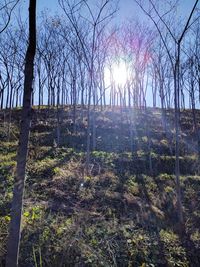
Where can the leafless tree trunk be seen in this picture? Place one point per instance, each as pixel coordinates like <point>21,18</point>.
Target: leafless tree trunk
<point>175,64</point>
<point>17,202</point>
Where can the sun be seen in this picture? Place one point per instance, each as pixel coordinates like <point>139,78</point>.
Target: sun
<point>116,74</point>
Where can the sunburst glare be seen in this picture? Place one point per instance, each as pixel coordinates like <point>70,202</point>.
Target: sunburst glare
<point>117,74</point>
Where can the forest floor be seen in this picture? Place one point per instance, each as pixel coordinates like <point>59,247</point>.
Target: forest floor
<point>123,212</point>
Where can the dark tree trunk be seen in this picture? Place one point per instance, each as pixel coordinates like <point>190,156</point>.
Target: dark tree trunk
<point>17,203</point>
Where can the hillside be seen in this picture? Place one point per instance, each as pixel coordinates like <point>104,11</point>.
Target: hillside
<point>123,212</point>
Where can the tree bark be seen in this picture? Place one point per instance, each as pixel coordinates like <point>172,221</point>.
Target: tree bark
<point>17,202</point>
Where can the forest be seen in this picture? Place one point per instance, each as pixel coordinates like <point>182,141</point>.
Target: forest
<point>99,134</point>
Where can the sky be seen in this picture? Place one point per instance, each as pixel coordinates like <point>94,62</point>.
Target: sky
<point>127,9</point>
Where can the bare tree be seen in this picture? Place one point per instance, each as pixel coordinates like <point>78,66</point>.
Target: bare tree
<point>6,9</point>
<point>96,20</point>
<point>17,202</point>
<point>159,20</point>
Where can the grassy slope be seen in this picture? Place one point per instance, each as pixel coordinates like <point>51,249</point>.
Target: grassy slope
<point>122,213</point>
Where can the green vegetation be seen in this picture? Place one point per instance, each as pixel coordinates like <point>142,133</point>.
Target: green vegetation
<point>122,213</point>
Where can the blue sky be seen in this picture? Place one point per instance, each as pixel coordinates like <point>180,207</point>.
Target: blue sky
<point>127,8</point>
